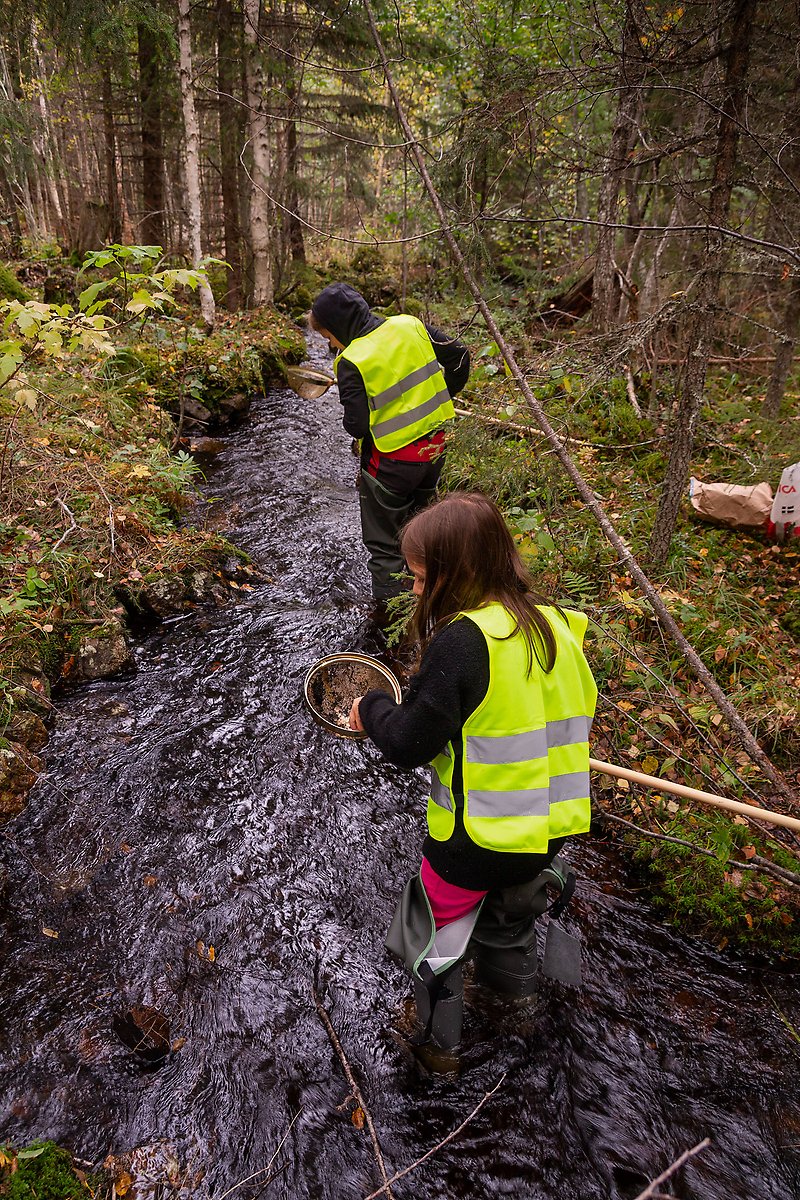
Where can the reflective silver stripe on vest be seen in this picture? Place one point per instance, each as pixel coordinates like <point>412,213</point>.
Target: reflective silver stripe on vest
<point>524,747</point>
<point>410,418</point>
<point>531,802</point>
<point>405,385</point>
<point>439,793</point>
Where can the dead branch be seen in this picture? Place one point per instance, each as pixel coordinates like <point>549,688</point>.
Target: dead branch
<point>4,451</point>
<point>356,1092</point>
<point>105,496</point>
<point>631,390</point>
<point>746,737</point>
<point>66,532</point>
<point>650,1192</point>
<point>530,431</point>
<point>263,1170</point>
<point>761,865</point>
<point>438,1146</point>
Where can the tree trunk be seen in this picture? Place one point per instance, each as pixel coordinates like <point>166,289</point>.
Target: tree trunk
<point>152,223</point>
<point>230,141</point>
<point>791,314</point>
<point>260,241</point>
<point>630,74</point>
<point>701,324</point>
<point>43,142</point>
<point>297,245</point>
<point>111,179</point>
<point>11,213</point>
<point>192,155</point>
<point>784,353</point>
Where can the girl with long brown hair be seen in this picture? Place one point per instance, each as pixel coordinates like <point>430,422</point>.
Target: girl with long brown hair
<point>500,707</point>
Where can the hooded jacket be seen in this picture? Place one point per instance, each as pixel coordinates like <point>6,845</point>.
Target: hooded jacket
<point>344,312</point>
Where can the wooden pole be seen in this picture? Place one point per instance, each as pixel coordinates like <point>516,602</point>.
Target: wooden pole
<point>679,789</point>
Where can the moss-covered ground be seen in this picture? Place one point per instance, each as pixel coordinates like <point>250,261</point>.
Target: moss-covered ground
<point>45,1171</point>
<point>735,593</point>
<point>95,491</point>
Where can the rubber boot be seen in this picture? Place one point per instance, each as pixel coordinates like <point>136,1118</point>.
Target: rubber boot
<point>448,1013</point>
<point>511,971</point>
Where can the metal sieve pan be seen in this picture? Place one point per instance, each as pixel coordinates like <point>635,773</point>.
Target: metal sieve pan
<point>332,684</point>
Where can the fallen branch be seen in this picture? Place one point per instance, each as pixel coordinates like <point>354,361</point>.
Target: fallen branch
<point>356,1092</point>
<point>650,1192</point>
<point>66,532</point>
<point>263,1170</point>
<point>761,865</point>
<point>438,1146</point>
<point>531,431</point>
<point>631,390</point>
<point>737,725</point>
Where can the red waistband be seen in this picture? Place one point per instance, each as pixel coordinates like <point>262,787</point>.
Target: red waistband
<point>424,449</point>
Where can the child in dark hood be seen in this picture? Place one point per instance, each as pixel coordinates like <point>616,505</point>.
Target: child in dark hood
<point>396,380</point>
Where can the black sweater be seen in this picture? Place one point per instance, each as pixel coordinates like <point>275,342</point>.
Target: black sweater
<point>452,681</point>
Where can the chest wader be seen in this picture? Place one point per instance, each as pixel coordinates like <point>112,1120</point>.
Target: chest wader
<point>499,934</point>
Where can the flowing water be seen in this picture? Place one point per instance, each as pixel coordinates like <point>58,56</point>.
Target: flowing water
<point>204,851</point>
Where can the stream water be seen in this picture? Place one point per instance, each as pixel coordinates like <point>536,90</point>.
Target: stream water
<point>194,804</point>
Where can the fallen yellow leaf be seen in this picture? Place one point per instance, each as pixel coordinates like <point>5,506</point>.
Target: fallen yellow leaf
<point>123,1183</point>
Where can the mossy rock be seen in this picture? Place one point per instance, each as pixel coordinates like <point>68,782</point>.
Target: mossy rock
<point>10,286</point>
<point>242,358</point>
<point>43,1171</point>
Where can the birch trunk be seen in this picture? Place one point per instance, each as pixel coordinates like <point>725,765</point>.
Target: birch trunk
<point>43,142</point>
<point>192,156</point>
<point>260,240</point>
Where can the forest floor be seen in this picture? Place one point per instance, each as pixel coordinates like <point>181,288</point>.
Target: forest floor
<point>97,532</point>
<point>102,530</point>
<point>735,594</point>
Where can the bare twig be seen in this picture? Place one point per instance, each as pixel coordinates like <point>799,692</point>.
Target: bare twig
<point>105,496</point>
<point>761,865</point>
<point>66,532</point>
<point>650,1192</point>
<point>772,868</point>
<point>356,1092</point>
<point>438,1146</point>
<point>265,1169</point>
<point>6,439</point>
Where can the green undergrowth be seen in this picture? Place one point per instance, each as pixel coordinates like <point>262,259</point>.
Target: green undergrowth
<point>45,1171</point>
<point>172,360</point>
<point>10,286</point>
<point>96,507</point>
<point>734,593</point>
<point>717,893</point>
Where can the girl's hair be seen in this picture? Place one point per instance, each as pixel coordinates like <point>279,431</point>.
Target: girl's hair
<point>470,560</point>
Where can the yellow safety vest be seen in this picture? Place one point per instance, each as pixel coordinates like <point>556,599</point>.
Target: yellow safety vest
<point>405,386</point>
<point>525,749</point>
